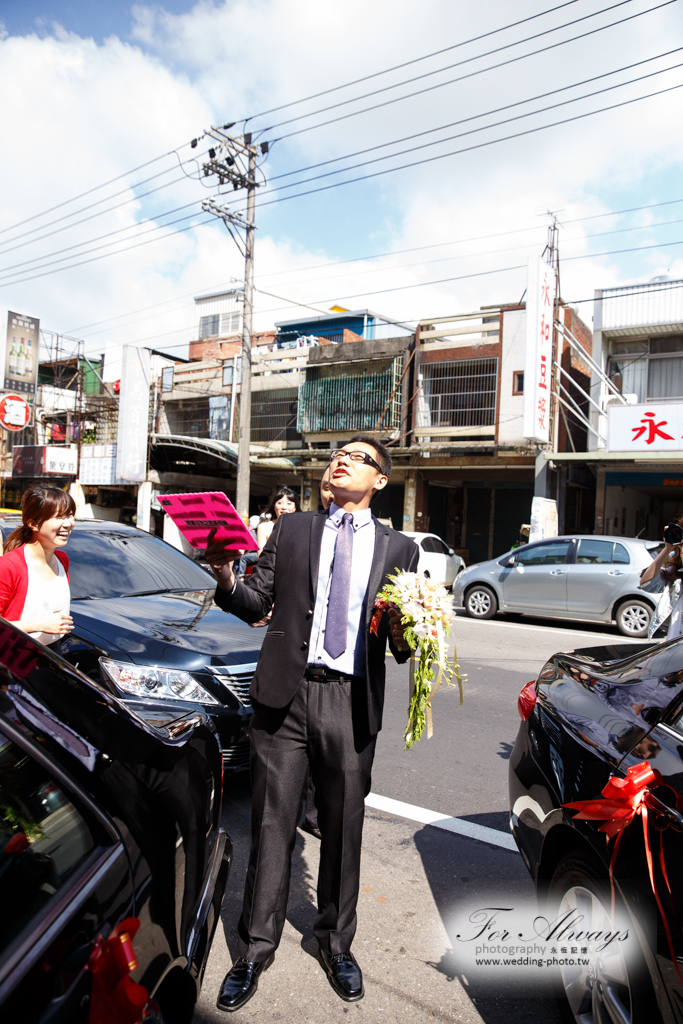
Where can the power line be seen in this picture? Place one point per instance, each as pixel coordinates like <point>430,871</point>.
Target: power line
<point>405,64</point>
<point>472,74</point>
<point>468,149</point>
<point>93,216</point>
<point>453,124</point>
<point>37,260</point>
<point>389,156</point>
<point>89,191</point>
<point>486,127</point>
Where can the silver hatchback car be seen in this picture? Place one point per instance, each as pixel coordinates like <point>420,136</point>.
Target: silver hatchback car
<point>580,577</point>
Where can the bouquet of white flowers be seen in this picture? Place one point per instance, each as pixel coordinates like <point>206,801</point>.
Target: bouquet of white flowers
<point>426,610</point>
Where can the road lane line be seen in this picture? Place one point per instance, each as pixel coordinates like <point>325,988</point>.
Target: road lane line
<point>607,637</point>
<point>482,833</point>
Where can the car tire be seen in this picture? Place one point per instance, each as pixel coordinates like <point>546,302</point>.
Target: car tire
<point>481,602</point>
<point>614,986</point>
<point>633,617</point>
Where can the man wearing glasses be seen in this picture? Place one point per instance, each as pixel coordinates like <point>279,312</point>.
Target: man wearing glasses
<point>317,695</point>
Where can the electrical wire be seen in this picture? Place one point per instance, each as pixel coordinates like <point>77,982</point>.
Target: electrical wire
<point>468,149</point>
<point>474,131</point>
<point>472,74</point>
<point>473,117</point>
<point>37,260</point>
<point>389,156</point>
<point>89,191</point>
<point>405,64</point>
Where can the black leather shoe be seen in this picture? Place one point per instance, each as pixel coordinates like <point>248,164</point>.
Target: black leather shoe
<point>312,830</point>
<point>344,975</point>
<point>241,982</point>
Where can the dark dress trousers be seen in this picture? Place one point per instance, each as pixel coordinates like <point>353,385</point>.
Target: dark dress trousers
<point>299,724</point>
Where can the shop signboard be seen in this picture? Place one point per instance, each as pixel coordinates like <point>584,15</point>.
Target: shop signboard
<point>20,356</point>
<point>15,412</point>
<point>647,427</point>
<point>538,365</point>
<point>131,451</point>
<point>31,460</point>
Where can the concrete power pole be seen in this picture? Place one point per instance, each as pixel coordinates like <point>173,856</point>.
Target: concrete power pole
<point>244,446</point>
<point>236,163</point>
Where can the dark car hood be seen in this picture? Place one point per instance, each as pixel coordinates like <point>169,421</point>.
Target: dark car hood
<point>181,630</point>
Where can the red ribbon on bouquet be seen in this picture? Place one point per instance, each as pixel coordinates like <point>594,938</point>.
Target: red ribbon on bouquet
<point>380,607</point>
<point>623,800</point>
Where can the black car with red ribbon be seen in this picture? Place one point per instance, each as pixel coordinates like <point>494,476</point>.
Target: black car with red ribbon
<point>596,797</point>
<point>112,862</point>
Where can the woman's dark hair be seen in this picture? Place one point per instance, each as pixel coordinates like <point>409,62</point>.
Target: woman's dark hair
<point>39,503</point>
<point>282,492</point>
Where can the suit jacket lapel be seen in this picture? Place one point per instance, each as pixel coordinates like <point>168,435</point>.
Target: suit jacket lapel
<point>378,568</point>
<point>316,537</point>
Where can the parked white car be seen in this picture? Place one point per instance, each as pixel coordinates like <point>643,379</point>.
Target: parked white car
<point>437,561</point>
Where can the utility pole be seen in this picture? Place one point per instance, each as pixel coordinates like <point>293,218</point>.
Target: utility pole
<point>235,162</point>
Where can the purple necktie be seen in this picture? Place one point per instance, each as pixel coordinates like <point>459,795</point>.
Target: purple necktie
<point>338,605</point>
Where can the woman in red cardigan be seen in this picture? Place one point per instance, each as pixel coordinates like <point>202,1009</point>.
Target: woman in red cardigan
<point>34,571</point>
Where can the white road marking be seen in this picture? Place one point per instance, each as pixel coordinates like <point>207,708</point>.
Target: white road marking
<point>470,829</point>
<point>607,637</point>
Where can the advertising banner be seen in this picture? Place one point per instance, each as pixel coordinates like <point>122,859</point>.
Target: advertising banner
<point>131,451</point>
<point>651,427</point>
<point>29,460</point>
<point>538,365</point>
<point>543,519</point>
<point>21,353</point>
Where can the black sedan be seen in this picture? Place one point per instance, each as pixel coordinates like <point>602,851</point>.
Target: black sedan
<point>112,864</point>
<point>145,619</point>
<point>592,715</point>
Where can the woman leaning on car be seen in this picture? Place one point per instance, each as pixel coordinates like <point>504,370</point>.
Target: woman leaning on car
<point>34,571</point>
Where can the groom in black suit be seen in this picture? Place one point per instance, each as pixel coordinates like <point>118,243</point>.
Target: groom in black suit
<point>317,695</point>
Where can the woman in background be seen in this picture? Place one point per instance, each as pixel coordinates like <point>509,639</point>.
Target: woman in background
<point>285,500</point>
<point>34,571</point>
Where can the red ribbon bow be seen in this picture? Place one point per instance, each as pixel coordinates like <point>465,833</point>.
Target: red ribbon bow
<point>624,799</point>
<point>381,605</point>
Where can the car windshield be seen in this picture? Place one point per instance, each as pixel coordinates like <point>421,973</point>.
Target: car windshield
<point>122,563</point>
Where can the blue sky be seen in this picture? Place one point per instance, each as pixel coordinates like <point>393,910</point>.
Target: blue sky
<point>92,91</point>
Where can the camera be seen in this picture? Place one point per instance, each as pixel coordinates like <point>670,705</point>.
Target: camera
<point>673,533</point>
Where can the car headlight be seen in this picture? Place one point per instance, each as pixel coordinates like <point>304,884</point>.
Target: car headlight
<point>155,681</point>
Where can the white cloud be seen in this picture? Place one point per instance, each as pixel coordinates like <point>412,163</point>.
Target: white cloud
<point>82,113</point>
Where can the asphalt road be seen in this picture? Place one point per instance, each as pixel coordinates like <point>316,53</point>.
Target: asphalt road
<point>419,881</point>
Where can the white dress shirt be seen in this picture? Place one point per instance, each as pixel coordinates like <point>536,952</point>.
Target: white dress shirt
<point>352,661</point>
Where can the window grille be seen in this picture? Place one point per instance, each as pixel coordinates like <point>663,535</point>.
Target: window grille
<point>209,326</point>
<point>461,393</point>
<point>651,368</point>
<point>332,400</point>
<point>274,415</point>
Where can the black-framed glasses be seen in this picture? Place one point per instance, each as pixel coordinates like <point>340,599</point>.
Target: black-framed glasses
<point>356,455</point>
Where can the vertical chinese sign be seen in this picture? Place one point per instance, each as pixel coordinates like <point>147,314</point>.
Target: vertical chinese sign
<point>538,365</point>
<point>131,451</point>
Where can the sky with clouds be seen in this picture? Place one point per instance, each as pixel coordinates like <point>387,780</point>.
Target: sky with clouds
<point>416,181</point>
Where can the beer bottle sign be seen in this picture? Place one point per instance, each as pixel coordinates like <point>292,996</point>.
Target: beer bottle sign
<point>21,353</point>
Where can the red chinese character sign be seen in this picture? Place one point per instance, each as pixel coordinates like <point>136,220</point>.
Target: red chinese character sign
<point>15,412</point>
<point>651,427</point>
<point>538,366</point>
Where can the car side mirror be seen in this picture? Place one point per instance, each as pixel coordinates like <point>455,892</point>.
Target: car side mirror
<point>511,562</point>
<point>451,551</point>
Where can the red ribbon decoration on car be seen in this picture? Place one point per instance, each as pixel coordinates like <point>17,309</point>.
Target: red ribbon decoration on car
<point>115,998</point>
<point>624,799</point>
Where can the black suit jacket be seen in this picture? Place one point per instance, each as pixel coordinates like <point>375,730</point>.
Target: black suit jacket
<point>286,578</point>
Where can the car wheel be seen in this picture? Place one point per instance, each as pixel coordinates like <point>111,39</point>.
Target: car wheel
<point>481,602</point>
<point>633,617</point>
<point>614,985</point>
